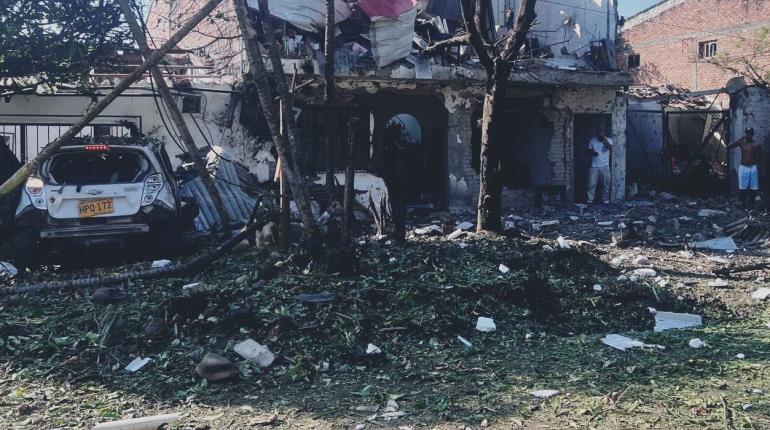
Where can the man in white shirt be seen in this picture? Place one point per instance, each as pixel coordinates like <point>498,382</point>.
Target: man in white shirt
<point>600,148</point>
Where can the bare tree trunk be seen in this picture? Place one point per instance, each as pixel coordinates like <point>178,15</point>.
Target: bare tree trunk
<point>331,124</point>
<point>284,143</point>
<point>498,67</point>
<point>350,178</point>
<point>32,166</point>
<point>176,115</point>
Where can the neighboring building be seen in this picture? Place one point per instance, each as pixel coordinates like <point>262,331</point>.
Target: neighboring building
<point>677,41</point>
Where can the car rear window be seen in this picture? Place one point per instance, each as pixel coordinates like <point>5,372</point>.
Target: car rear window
<point>87,167</point>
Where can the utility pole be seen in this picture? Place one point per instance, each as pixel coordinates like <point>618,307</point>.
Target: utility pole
<point>176,115</point>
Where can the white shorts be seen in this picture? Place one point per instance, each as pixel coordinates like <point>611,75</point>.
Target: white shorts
<point>748,178</point>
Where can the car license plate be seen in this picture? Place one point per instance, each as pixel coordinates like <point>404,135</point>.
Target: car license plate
<point>92,208</point>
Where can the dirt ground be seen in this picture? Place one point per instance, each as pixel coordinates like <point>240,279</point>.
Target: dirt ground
<point>62,356</point>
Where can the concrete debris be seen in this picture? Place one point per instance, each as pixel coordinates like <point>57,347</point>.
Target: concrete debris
<point>619,260</point>
<point>667,196</point>
<point>7,271</point>
<point>465,226</point>
<point>696,343</point>
<point>503,269</point>
<point>641,260</point>
<point>761,294</point>
<point>564,243</point>
<point>457,234</point>
<point>137,364</point>
<point>670,320</point>
<point>719,283</point>
<point>598,288</point>
<point>485,325</point>
<point>624,343</point>
<point>215,368</point>
<point>719,244</point>
<point>158,264</point>
<point>645,273</point>
<point>428,231</point>
<point>373,349</point>
<point>389,416</point>
<point>706,213</point>
<point>544,394</point>
<point>108,296</point>
<point>143,423</point>
<point>391,406</point>
<point>254,352</point>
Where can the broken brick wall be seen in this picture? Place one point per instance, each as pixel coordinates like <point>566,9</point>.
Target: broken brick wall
<point>668,38</point>
<point>558,109</point>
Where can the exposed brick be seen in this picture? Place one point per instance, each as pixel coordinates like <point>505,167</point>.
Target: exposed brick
<point>668,43</point>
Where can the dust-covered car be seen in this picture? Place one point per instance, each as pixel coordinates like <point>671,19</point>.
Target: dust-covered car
<point>112,191</point>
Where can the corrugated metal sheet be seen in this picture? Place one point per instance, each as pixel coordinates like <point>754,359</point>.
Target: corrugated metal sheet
<point>309,15</point>
<point>392,9</point>
<point>232,187</point>
<point>392,39</point>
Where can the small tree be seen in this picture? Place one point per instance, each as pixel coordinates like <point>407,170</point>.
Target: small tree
<point>748,58</point>
<point>498,59</point>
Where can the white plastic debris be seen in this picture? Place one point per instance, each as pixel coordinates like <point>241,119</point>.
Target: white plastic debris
<point>719,283</point>
<point>191,286</point>
<point>373,349</point>
<point>719,244</point>
<point>624,343</point>
<point>761,294</point>
<point>598,288</point>
<point>144,423</point>
<point>465,225</point>
<point>645,273</point>
<point>670,320</point>
<point>548,248</point>
<point>696,343</point>
<point>563,243</point>
<point>486,325</point>
<point>158,264</point>
<point>740,356</point>
<point>137,364</point>
<point>503,268</point>
<point>605,223</point>
<point>544,394</point>
<point>464,341</point>
<point>256,353</point>
<point>8,270</point>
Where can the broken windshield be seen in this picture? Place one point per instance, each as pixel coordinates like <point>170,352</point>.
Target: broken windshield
<point>86,167</point>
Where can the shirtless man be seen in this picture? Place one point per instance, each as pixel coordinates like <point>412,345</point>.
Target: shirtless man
<point>748,173</point>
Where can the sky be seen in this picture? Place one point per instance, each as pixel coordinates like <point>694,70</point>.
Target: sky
<point>630,7</point>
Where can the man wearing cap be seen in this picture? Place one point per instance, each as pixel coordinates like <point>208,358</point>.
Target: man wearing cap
<point>748,173</point>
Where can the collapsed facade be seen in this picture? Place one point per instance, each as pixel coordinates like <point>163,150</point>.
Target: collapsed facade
<point>565,88</point>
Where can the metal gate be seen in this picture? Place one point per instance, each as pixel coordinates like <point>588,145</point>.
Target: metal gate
<point>27,135</point>
<point>679,150</point>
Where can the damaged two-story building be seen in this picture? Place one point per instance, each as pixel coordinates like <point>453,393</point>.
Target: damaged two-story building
<point>566,86</point>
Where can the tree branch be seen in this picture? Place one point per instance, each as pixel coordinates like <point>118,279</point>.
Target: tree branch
<point>518,35</point>
<point>474,35</point>
<point>460,39</point>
